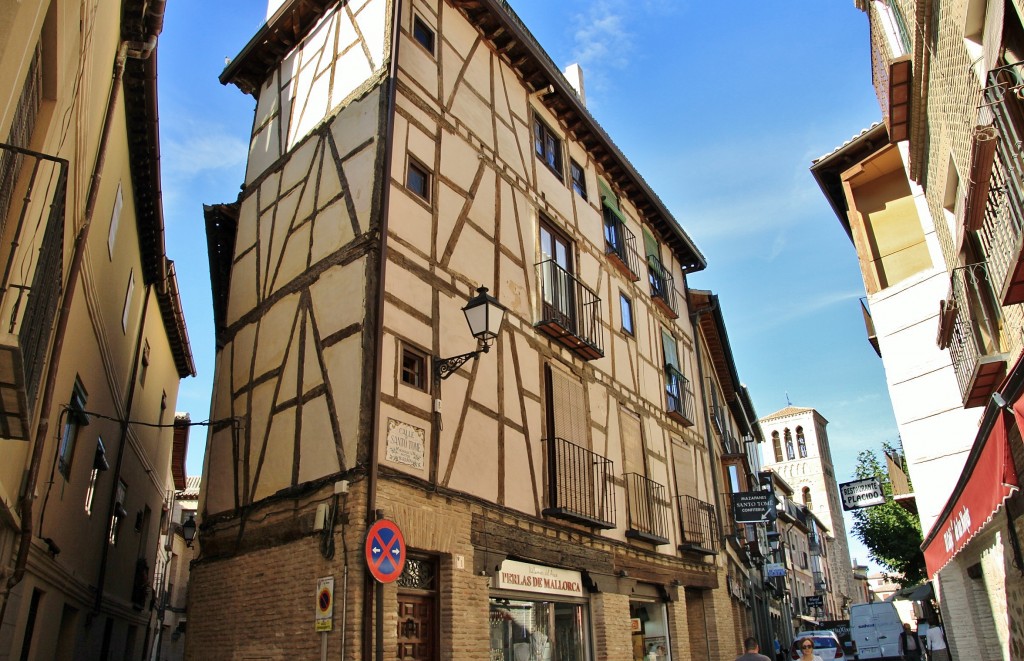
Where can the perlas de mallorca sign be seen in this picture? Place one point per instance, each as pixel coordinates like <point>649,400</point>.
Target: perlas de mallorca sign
<point>522,576</point>
<point>861,493</point>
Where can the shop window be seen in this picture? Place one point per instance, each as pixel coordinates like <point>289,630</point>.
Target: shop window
<point>422,33</point>
<point>649,625</point>
<point>548,147</point>
<point>538,630</point>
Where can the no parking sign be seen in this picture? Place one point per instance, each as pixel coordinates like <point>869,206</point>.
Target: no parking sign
<point>325,603</point>
<point>385,551</point>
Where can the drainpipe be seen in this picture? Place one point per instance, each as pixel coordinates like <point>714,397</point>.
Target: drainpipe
<point>129,401</point>
<point>369,587</point>
<point>125,49</point>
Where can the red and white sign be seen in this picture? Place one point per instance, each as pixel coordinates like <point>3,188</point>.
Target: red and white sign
<point>990,480</point>
<point>525,577</point>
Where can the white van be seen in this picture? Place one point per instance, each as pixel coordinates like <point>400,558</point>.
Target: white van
<point>875,629</point>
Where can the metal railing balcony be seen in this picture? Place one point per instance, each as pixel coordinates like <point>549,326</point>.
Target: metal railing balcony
<point>661,286</point>
<point>699,524</point>
<point>620,245</point>
<point>570,311</point>
<point>648,509</point>
<point>973,331</point>
<point>814,543</point>
<point>35,188</point>
<point>679,397</point>
<point>580,485</point>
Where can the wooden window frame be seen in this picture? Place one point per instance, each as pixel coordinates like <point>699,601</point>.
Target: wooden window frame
<point>547,146</point>
<point>423,34</point>
<point>417,167</point>
<point>579,183</point>
<point>417,378</point>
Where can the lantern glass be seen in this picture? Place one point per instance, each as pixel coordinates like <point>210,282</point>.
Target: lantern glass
<point>484,315</point>
<point>188,530</point>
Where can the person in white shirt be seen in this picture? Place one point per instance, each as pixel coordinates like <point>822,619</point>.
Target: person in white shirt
<point>937,643</point>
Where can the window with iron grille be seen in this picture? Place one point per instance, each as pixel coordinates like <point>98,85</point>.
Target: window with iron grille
<point>22,126</point>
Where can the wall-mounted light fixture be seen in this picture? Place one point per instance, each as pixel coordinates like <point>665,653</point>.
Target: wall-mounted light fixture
<point>484,315</point>
<point>188,530</point>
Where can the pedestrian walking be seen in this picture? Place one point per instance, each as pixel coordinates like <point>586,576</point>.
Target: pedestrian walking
<point>751,651</point>
<point>777,646</point>
<point>937,643</point>
<point>910,644</point>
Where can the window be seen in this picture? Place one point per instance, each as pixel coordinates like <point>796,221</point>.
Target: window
<point>115,220</point>
<point>145,363</point>
<point>579,179</point>
<point>808,503</point>
<point>777,446</point>
<point>119,512</point>
<point>128,301</point>
<point>679,398</point>
<point>74,419</point>
<point>789,444</point>
<point>556,253</point>
<point>414,368</point>
<point>801,443</point>
<point>626,308</point>
<point>422,33</point>
<point>99,464</point>
<point>417,179</point>
<point>548,146</point>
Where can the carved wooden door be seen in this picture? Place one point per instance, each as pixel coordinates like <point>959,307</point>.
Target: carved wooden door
<point>416,619</point>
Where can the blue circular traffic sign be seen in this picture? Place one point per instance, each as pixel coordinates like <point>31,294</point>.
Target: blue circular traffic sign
<point>385,551</point>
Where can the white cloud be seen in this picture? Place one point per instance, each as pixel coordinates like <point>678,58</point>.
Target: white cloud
<point>199,152</point>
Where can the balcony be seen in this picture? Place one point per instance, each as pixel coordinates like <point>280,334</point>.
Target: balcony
<point>972,328</point>
<point>661,287</point>
<point>679,397</point>
<point>579,485</point>
<point>570,311</point>
<point>814,543</point>
<point>32,192</point>
<point>995,199</point>
<point>620,245</point>
<point>699,524</point>
<point>820,584</point>
<point>648,508</point>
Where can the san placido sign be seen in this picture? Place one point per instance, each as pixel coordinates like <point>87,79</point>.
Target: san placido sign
<point>523,576</point>
<point>861,493</point>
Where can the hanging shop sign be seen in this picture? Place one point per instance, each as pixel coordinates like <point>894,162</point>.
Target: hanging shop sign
<point>525,577</point>
<point>775,569</point>
<point>861,493</point>
<point>753,506</point>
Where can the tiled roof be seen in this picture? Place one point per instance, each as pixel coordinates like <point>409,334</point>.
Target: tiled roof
<point>789,410</point>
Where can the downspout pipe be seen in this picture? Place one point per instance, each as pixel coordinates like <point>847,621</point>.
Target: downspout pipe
<point>129,403</point>
<point>373,431</point>
<point>695,321</point>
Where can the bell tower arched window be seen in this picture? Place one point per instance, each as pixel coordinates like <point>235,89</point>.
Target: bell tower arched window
<point>789,444</point>
<point>801,442</point>
<point>777,446</point>
<point>807,498</point>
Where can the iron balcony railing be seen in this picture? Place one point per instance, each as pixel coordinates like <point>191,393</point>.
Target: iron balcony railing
<point>648,509</point>
<point>820,584</point>
<point>580,485</point>
<point>570,311</point>
<point>699,526</point>
<point>976,331</point>
<point>814,543</point>
<point>620,244</point>
<point>661,285</point>
<point>30,285</point>
<point>679,396</point>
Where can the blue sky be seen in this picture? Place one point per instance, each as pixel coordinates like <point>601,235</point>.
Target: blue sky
<point>720,106</point>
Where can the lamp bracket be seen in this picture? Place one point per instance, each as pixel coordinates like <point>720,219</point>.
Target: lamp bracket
<point>445,367</point>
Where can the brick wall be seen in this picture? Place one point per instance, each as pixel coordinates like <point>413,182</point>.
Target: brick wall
<point>612,637</point>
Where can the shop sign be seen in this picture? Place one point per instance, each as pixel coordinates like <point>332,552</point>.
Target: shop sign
<point>815,601</point>
<point>753,506</point>
<point>525,577</point>
<point>775,569</point>
<point>862,493</point>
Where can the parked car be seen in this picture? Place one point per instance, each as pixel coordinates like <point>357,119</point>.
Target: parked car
<point>826,645</point>
<point>875,629</point>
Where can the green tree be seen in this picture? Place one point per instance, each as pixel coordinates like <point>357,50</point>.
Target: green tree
<point>891,533</point>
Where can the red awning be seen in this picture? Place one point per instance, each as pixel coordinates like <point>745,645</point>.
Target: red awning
<point>984,485</point>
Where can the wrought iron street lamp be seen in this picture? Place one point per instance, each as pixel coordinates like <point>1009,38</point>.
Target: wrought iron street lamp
<point>484,315</point>
<point>188,530</point>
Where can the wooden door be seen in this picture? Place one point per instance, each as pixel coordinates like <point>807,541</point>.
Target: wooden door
<point>416,619</point>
